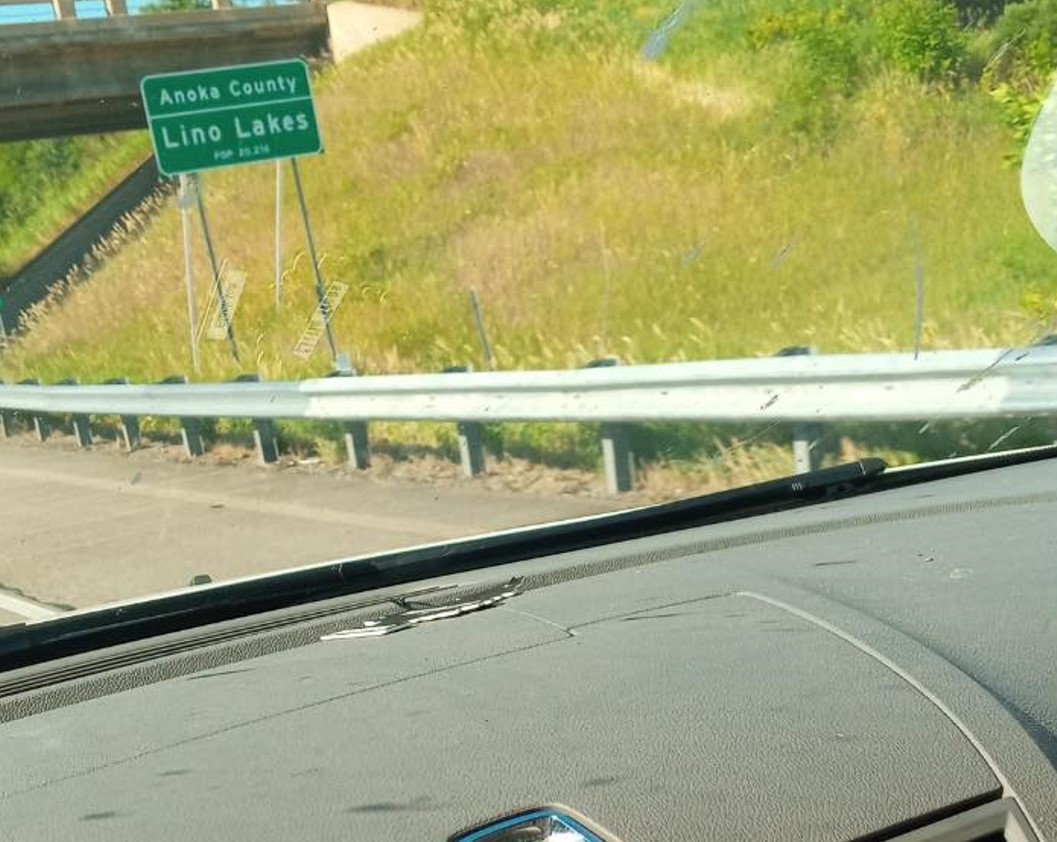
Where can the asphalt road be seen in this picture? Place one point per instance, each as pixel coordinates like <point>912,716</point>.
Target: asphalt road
<point>79,528</point>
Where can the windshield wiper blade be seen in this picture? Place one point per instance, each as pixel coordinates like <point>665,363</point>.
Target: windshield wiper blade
<point>87,631</point>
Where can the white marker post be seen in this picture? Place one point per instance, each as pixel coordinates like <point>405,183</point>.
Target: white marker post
<point>325,308</point>
<point>186,202</point>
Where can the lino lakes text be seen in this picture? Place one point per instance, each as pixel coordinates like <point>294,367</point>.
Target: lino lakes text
<point>267,125</point>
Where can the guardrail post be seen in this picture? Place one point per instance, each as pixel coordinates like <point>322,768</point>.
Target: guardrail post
<point>82,425</point>
<point>807,455</point>
<point>267,442</point>
<point>190,428</point>
<point>129,423</point>
<point>471,435</point>
<point>357,444</point>
<point>41,424</point>
<point>264,436</point>
<point>471,447</point>
<point>618,459</point>
<point>7,421</point>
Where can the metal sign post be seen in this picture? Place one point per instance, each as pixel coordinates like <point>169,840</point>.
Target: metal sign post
<point>325,310</point>
<point>186,202</point>
<point>482,334</point>
<point>278,235</point>
<point>217,285</point>
<point>230,116</point>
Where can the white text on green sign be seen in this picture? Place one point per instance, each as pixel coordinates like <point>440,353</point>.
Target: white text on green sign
<point>227,116</point>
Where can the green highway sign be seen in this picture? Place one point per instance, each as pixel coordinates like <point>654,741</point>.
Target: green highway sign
<point>227,116</point>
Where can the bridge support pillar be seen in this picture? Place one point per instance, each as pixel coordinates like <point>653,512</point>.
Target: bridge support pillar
<point>64,9</point>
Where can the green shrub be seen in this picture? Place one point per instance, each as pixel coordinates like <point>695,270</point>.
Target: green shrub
<point>29,169</point>
<point>921,38</point>
<point>1019,110</point>
<point>827,39</point>
<point>829,64</point>
<point>1019,74</point>
<point>1027,39</point>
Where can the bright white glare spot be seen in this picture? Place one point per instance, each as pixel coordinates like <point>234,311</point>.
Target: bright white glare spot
<point>1038,174</point>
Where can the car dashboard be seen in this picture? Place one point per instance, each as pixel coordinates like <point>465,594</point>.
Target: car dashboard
<point>872,668</point>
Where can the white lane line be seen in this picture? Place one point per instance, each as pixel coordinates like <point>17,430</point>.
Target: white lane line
<point>26,608</point>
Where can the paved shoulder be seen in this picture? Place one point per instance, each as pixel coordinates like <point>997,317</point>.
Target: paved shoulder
<point>82,528</point>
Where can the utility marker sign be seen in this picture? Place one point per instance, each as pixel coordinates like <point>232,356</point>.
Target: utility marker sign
<point>227,116</point>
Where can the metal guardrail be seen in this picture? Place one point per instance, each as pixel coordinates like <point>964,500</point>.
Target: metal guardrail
<point>802,390</point>
<point>67,9</point>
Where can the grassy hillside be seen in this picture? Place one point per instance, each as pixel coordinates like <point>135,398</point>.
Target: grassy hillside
<point>775,177</point>
<point>46,184</point>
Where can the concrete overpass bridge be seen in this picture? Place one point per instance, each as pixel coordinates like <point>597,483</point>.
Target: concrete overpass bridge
<point>72,75</point>
<point>81,76</point>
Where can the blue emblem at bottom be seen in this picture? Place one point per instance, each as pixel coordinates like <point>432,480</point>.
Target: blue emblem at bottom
<point>543,824</point>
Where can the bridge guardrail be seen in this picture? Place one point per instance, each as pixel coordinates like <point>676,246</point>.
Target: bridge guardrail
<point>83,76</point>
<point>67,9</point>
<point>805,390</point>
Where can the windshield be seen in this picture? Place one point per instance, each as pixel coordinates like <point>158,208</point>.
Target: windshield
<point>287,283</point>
